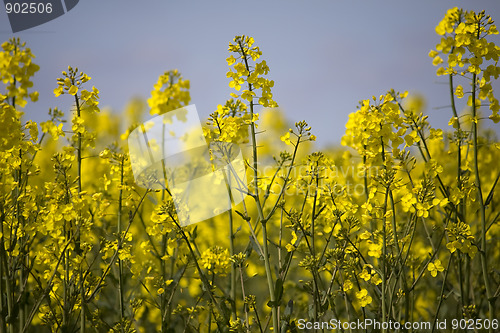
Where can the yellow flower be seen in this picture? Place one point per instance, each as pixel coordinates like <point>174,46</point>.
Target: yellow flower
<point>231,60</point>
<point>435,267</point>
<point>286,138</point>
<point>290,247</point>
<point>347,285</point>
<point>365,235</point>
<point>365,275</point>
<point>363,297</point>
<point>216,259</point>
<point>73,90</point>
<point>376,280</point>
<point>58,91</point>
<point>495,117</point>
<point>437,60</point>
<point>374,250</point>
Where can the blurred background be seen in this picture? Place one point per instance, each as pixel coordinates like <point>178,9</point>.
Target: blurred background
<point>324,56</point>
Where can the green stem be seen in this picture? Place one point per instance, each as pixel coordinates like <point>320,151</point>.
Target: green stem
<point>441,296</point>
<point>23,248</point>
<point>77,245</point>
<point>7,287</point>
<point>482,210</point>
<point>79,147</point>
<point>3,322</point>
<point>274,306</point>
<point>270,283</point>
<point>464,298</point>
<point>402,267</point>
<point>164,241</point>
<point>384,242</point>
<point>119,231</point>
<point>243,296</point>
<point>384,254</point>
<point>317,298</point>
<point>82,297</point>
<point>460,279</point>
<point>233,267</point>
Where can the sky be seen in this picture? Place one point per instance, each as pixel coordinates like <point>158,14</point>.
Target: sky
<point>324,56</point>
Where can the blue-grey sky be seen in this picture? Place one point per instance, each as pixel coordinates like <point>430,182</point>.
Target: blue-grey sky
<point>324,56</point>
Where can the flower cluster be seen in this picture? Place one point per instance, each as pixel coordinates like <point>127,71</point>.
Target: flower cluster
<point>242,47</point>
<point>17,68</point>
<point>468,53</point>
<point>216,260</point>
<point>170,92</point>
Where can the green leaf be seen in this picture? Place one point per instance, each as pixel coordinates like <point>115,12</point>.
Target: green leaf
<point>278,290</point>
<point>289,309</point>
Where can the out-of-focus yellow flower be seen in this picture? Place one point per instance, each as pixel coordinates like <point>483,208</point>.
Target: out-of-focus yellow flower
<point>435,267</point>
<point>363,297</point>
